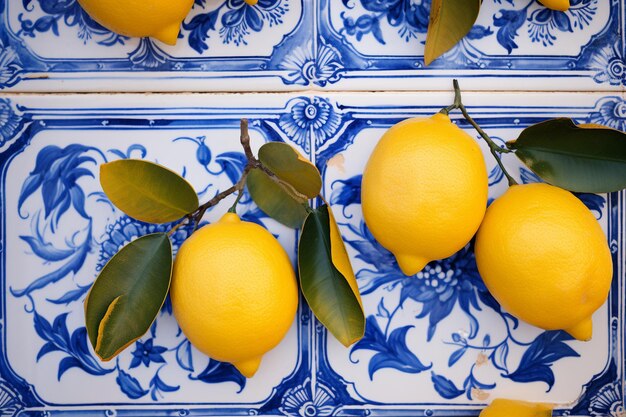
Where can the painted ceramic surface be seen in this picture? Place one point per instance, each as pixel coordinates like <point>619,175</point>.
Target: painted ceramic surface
<point>278,45</point>
<point>436,344</point>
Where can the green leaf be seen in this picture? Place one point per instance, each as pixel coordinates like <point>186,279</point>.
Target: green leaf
<point>147,191</point>
<point>292,168</point>
<point>326,277</point>
<point>128,294</point>
<point>272,198</point>
<point>585,158</point>
<point>450,21</point>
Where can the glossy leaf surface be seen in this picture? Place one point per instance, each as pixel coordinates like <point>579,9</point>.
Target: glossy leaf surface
<point>274,200</point>
<point>450,21</point>
<point>128,294</point>
<point>588,159</point>
<point>147,191</point>
<point>327,280</point>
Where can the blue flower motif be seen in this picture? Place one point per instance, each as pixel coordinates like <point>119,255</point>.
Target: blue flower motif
<point>442,284</point>
<point>310,115</point>
<point>9,121</point>
<point>146,352</point>
<point>607,402</point>
<point>238,22</point>
<point>300,402</point>
<point>305,68</point>
<point>409,16</point>
<point>610,112</point>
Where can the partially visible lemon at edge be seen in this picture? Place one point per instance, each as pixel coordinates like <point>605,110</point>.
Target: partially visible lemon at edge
<point>560,5</point>
<point>513,408</point>
<point>424,190</point>
<point>234,292</point>
<point>159,19</point>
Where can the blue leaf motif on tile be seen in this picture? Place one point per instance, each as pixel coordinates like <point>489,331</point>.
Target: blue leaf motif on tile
<point>408,17</point>
<point>158,387</point>
<point>184,356</point>
<point>130,385</point>
<point>69,13</point>
<point>594,202</point>
<point>58,339</point>
<point>217,371</point>
<point>238,21</point>
<point>509,22</point>
<point>232,164</point>
<point>346,192</point>
<point>391,351</point>
<point>445,387</point>
<point>70,296</point>
<point>536,362</point>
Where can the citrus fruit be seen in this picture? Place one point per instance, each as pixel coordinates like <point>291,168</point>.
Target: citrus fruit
<point>545,258</point>
<point>560,5</point>
<point>159,19</point>
<point>234,292</point>
<point>424,190</point>
<point>512,408</point>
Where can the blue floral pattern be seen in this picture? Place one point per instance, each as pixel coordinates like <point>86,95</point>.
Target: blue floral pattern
<point>319,46</point>
<point>310,116</point>
<point>55,179</point>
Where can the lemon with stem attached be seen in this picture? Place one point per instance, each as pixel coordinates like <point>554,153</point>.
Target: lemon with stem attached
<point>424,190</point>
<point>543,255</point>
<point>234,292</point>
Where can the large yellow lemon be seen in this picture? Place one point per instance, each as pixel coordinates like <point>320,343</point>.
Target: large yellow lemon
<point>234,292</point>
<point>512,408</point>
<point>424,190</point>
<point>560,5</point>
<point>159,19</point>
<point>545,258</point>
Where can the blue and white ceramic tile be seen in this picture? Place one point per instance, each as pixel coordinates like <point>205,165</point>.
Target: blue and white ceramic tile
<point>436,344</point>
<point>282,45</point>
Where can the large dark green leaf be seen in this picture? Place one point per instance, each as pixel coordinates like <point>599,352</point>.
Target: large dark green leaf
<point>588,159</point>
<point>128,294</point>
<point>272,198</point>
<point>450,21</point>
<point>292,168</point>
<point>147,191</point>
<point>326,277</point>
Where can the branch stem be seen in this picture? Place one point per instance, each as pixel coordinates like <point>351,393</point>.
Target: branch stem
<point>495,150</point>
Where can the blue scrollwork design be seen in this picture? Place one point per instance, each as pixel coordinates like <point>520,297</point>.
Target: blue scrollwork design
<point>309,66</point>
<point>611,112</point>
<point>10,67</point>
<point>608,401</point>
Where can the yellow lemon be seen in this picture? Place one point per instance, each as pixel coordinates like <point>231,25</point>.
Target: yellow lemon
<point>159,19</point>
<point>545,258</point>
<point>561,5</point>
<point>513,408</point>
<point>234,292</point>
<point>424,190</point>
